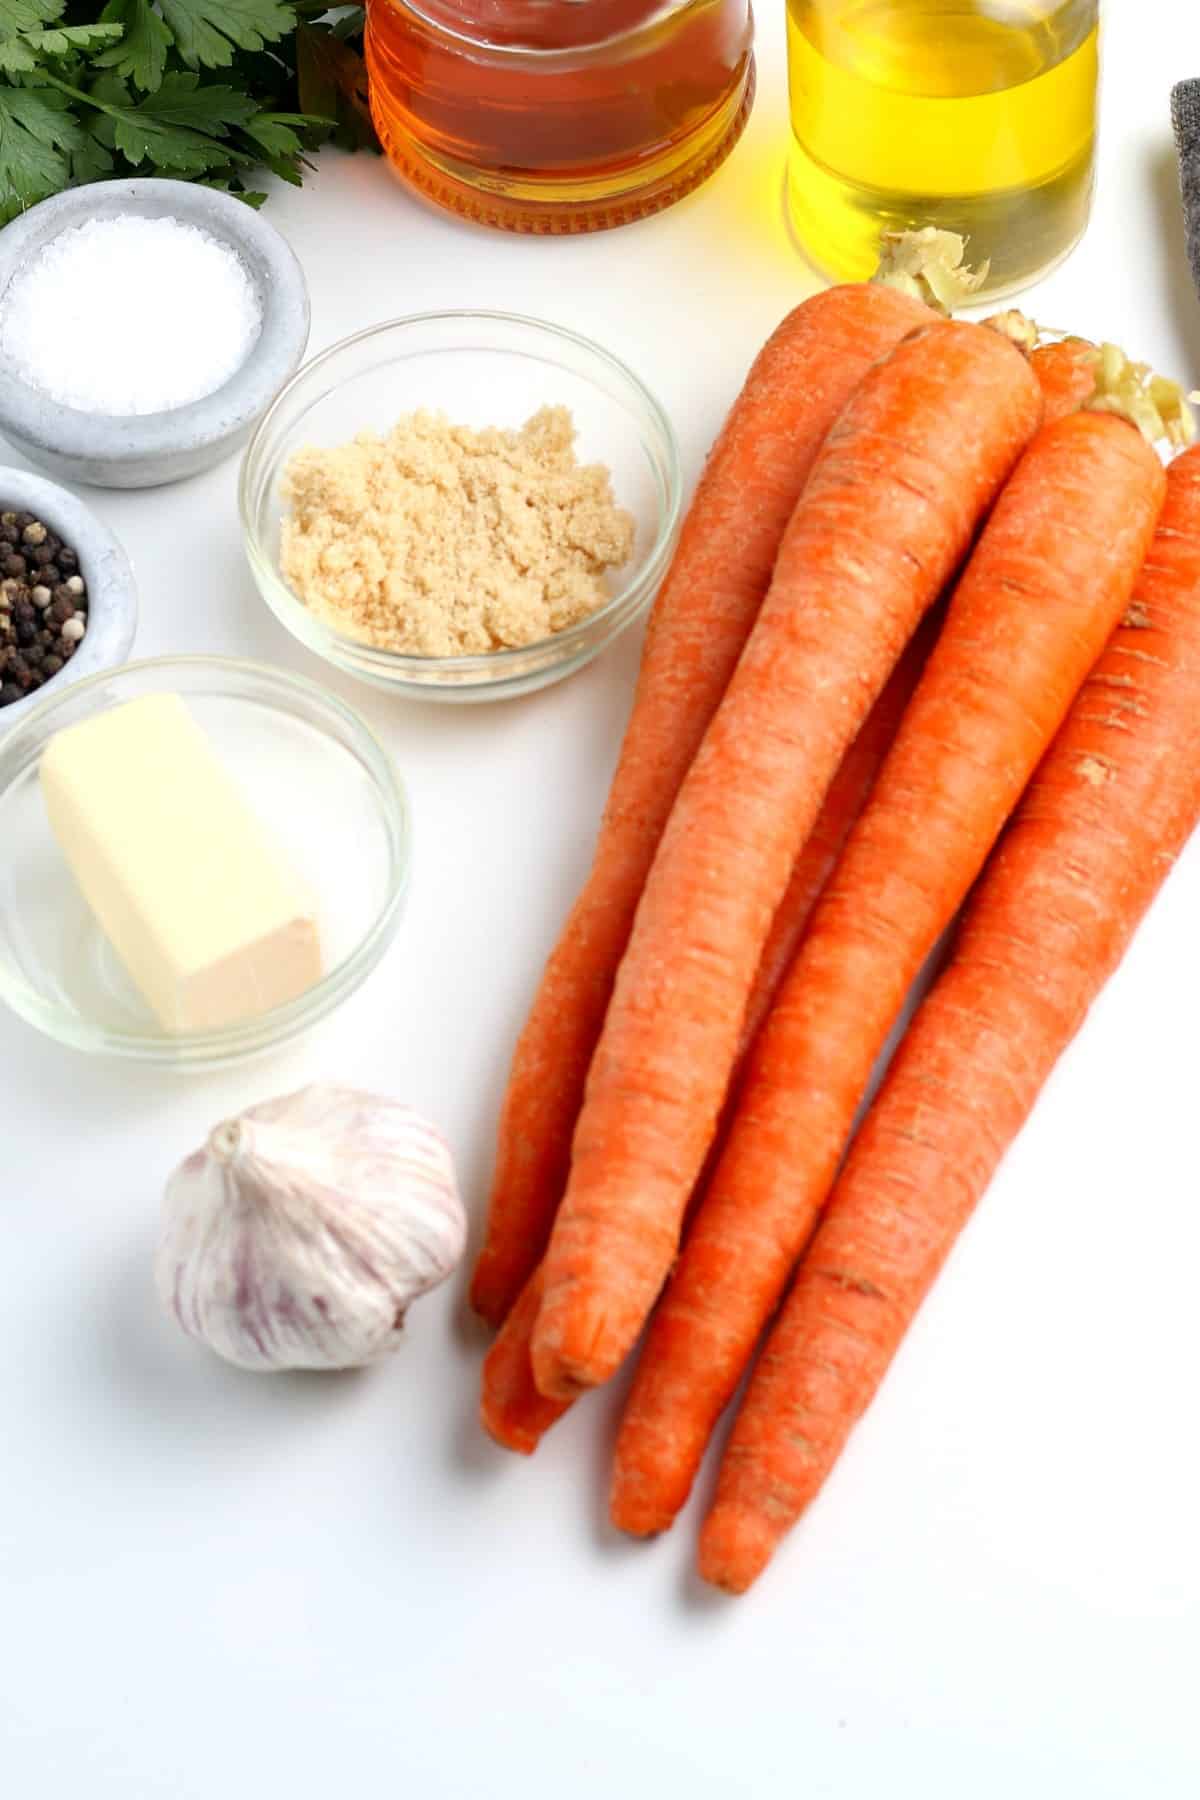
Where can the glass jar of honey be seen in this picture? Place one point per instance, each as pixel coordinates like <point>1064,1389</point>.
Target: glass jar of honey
<point>558,115</point>
<point>977,116</point>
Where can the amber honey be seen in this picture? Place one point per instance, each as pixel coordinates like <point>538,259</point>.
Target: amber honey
<point>559,115</point>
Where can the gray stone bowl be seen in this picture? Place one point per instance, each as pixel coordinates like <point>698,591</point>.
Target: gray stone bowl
<point>112,595</point>
<point>154,448</point>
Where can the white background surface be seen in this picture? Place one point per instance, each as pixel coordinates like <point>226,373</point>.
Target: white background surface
<point>216,1586</point>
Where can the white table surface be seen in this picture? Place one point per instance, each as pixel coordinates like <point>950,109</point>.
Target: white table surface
<point>217,1586</point>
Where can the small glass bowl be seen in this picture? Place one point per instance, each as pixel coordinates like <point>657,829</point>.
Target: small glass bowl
<point>479,368</point>
<point>315,775</point>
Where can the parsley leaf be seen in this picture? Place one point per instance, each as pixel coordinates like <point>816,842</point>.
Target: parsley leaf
<point>42,147</point>
<point>126,86</point>
<point>68,40</point>
<point>21,16</point>
<point>276,133</point>
<point>181,100</point>
<point>18,18</point>
<point>142,52</point>
<point>206,31</point>
<point>182,129</point>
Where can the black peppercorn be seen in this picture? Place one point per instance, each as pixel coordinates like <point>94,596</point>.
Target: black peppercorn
<point>43,605</point>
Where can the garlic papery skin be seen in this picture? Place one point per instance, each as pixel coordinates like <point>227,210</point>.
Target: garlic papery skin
<point>299,1236</point>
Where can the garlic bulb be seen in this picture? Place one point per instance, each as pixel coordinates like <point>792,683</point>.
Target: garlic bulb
<point>297,1238</point>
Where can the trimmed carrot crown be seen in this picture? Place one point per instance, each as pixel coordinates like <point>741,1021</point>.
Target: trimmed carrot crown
<point>928,264</point>
<point>1157,406</point>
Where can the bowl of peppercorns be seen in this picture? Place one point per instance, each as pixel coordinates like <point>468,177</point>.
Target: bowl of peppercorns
<point>68,604</point>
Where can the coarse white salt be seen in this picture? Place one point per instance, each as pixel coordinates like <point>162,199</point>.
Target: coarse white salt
<point>129,315</point>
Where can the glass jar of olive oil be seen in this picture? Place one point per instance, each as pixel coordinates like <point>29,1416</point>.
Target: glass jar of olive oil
<point>977,116</point>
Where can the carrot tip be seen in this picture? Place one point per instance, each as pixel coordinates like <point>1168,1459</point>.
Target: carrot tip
<point>735,1547</point>
<point>489,1297</point>
<point>578,1343</point>
<point>638,1521</point>
<point>554,1377</point>
<point>507,1435</point>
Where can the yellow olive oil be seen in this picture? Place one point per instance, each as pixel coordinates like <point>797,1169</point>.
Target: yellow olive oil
<point>977,116</point>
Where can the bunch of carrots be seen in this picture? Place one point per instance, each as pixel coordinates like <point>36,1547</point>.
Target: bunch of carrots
<point>932,632</point>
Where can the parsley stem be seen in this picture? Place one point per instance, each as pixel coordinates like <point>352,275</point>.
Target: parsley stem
<point>114,112</point>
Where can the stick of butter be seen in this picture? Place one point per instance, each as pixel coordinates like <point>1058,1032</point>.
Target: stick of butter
<point>203,911</point>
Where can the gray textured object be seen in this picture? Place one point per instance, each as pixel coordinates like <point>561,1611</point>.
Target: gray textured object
<point>156,448</point>
<point>1185,116</point>
<point>112,594</point>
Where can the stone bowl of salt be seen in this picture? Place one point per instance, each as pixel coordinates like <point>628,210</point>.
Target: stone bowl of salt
<point>145,327</point>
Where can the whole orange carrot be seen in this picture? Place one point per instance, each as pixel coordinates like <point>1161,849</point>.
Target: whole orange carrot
<point>888,512</point>
<point>842,804</point>
<point>1051,575</point>
<point>511,1409</point>
<point>1109,810</point>
<point>701,619</point>
<point>1066,374</point>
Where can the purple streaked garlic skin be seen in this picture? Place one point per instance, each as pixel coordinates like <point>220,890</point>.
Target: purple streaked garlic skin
<point>306,1227</point>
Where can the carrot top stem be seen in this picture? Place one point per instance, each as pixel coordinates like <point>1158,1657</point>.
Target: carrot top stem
<point>1019,329</point>
<point>928,265</point>
<point>1157,406</point>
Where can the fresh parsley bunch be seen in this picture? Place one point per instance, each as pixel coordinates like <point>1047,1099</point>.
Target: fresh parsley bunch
<point>128,88</point>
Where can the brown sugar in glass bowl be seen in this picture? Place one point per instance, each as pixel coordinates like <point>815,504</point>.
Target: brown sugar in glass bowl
<point>559,115</point>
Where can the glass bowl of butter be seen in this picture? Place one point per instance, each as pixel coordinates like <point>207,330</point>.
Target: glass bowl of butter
<point>203,858</point>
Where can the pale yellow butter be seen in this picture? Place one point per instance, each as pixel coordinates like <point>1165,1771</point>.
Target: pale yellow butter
<point>199,905</point>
